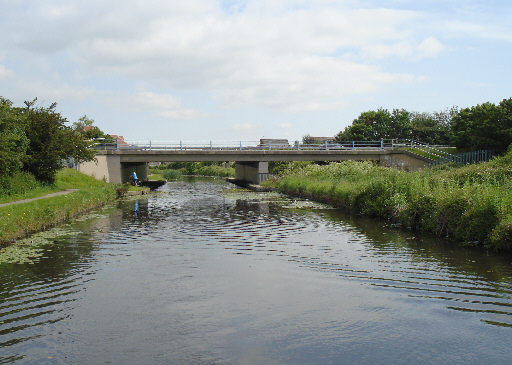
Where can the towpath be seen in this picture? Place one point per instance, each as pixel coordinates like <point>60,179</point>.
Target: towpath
<point>63,192</point>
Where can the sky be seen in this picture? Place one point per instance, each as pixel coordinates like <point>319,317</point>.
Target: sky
<point>229,70</point>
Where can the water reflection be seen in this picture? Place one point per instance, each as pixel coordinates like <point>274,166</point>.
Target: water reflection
<point>199,275</point>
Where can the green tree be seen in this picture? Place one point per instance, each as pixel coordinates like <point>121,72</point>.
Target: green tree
<point>484,126</point>
<point>86,127</point>
<point>375,125</point>
<point>51,141</point>
<point>433,128</point>
<point>13,141</point>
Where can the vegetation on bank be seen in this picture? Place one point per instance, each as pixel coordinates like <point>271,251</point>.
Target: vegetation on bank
<point>175,170</point>
<point>470,204</point>
<point>22,219</point>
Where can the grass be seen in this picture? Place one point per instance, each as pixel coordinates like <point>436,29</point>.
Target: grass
<point>470,204</point>
<point>22,219</point>
<point>434,153</point>
<point>23,185</point>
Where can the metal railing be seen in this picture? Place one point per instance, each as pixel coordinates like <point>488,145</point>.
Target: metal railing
<point>466,158</point>
<point>153,145</point>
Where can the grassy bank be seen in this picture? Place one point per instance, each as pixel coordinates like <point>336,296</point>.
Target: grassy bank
<point>471,204</point>
<point>22,219</point>
<point>22,185</point>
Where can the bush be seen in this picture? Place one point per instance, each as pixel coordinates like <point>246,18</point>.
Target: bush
<point>19,183</point>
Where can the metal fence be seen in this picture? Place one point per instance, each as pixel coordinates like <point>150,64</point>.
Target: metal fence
<point>466,158</point>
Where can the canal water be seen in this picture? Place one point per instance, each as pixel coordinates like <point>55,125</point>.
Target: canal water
<point>203,273</point>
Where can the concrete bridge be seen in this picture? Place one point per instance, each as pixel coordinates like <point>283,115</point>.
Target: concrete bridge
<point>116,163</point>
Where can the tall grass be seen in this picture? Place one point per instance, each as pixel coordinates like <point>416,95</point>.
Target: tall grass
<point>471,204</point>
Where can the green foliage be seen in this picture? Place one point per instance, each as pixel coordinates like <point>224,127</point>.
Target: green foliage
<point>176,169</point>
<point>36,140</point>
<point>433,128</point>
<point>484,126</point>
<point>172,174</point>
<point>470,204</point>
<point>13,141</point>
<point>375,125</point>
<point>51,141</point>
<point>86,127</point>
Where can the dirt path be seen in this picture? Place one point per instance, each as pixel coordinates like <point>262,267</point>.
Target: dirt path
<point>64,192</point>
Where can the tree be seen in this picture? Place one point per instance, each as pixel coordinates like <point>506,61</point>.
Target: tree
<point>86,127</point>
<point>433,128</point>
<point>484,126</point>
<point>51,141</point>
<point>13,141</point>
<point>375,125</point>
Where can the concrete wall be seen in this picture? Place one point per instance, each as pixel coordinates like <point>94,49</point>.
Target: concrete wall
<point>403,161</point>
<point>250,171</point>
<point>107,167</point>
<point>111,169</point>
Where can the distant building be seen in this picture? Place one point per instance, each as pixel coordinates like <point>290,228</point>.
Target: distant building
<point>274,142</point>
<point>318,140</point>
<point>119,140</point>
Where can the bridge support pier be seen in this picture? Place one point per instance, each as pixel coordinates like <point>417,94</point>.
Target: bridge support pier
<point>111,169</point>
<point>251,172</point>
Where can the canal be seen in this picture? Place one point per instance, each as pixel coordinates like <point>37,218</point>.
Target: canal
<point>203,273</point>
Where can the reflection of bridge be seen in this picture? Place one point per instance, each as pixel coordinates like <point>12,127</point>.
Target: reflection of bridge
<point>116,162</point>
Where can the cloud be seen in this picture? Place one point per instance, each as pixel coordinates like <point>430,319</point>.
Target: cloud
<point>159,104</point>
<point>5,73</point>
<point>243,126</point>
<point>281,55</point>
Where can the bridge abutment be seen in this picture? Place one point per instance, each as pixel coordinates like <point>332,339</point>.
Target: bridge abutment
<point>111,169</point>
<point>252,172</point>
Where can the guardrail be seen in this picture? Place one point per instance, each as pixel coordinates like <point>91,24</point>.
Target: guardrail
<point>466,158</point>
<point>257,146</point>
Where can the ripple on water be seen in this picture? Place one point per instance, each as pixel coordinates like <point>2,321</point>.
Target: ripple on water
<point>187,222</point>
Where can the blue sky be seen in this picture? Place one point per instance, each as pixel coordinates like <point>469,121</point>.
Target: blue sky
<point>241,70</point>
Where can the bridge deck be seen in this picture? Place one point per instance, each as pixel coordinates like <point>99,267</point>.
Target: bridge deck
<point>241,155</point>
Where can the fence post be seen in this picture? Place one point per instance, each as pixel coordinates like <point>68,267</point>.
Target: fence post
<point>150,145</point>
<point>181,145</point>
<point>269,145</point>
<point>240,145</point>
<point>353,144</point>
<point>326,148</point>
<point>211,146</point>
<point>381,144</point>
